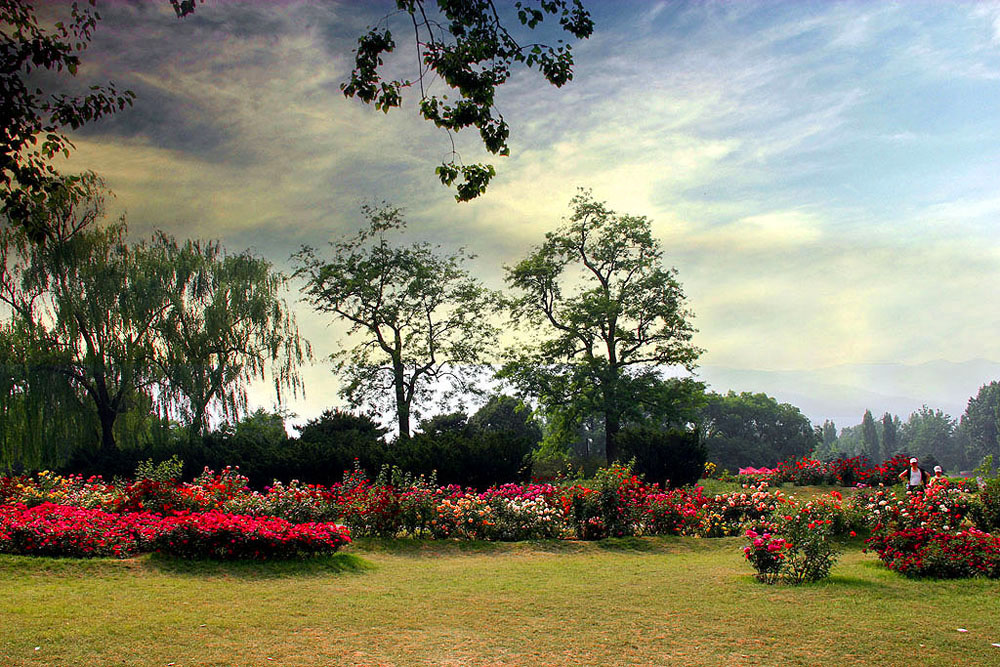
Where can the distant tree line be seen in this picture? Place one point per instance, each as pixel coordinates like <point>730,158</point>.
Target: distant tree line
<point>931,435</point>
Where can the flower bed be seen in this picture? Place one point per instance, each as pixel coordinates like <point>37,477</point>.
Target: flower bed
<point>61,530</point>
<point>926,552</point>
<point>929,534</point>
<point>217,515</point>
<point>224,536</point>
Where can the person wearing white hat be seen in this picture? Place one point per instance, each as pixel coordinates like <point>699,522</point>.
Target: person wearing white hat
<point>914,476</point>
<point>938,478</point>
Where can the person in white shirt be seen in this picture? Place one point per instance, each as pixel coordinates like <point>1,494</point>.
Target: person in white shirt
<point>915,477</point>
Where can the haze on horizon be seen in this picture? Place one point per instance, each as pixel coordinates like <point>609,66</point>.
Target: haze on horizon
<point>822,175</point>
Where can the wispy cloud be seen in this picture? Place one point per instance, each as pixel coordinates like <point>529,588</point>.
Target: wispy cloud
<point>822,175</point>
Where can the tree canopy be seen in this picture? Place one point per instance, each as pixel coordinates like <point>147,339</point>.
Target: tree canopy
<point>981,424</point>
<point>749,429</point>
<point>614,315</point>
<point>126,326</point>
<point>419,320</point>
<point>469,46</point>
<point>34,121</point>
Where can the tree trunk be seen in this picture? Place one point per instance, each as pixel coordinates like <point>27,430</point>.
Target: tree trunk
<point>612,415</point>
<point>612,426</point>
<point>107,417</point>
<point>402,405</point>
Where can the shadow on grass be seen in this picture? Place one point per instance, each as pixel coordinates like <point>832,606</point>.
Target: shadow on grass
<point>428,548</point>
<point>321,566</point>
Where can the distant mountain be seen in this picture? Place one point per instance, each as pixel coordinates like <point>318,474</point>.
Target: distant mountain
<point>843,393</point>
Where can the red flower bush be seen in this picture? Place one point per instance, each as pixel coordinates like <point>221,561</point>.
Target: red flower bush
<point>925,552</point>
<point>59,530</point>
<point>233,536</point>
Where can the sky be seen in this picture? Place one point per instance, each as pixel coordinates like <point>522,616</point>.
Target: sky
<point>822,175</point>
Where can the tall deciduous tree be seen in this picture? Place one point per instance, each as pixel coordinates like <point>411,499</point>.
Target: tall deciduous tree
<point>90,296</point>
<point>615,314</point>
<point>981,424</point>
<point>418,319</point>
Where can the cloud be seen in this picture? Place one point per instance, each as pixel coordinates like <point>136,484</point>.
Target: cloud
<point>822,175</point>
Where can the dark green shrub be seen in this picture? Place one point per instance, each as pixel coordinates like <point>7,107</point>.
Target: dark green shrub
<point>673,457</point>
<point>464,457</point>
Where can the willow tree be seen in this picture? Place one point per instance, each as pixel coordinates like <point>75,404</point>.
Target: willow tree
<point>226,325</point>
<point>418,321</point>
<point>607,315</point>
<point>134,324</point>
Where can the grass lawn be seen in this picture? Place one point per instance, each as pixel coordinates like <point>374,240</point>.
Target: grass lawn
<point>652,601</point>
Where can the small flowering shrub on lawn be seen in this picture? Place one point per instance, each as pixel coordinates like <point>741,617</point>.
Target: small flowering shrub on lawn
<point>811,553</point>
<point>766,553</point>
<point>798,549</point>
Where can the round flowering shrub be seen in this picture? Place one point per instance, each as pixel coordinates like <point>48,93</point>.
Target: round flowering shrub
<point>925,552</point>
<point>811,553</point>
<point>234,536</point>
<point>798,548</point>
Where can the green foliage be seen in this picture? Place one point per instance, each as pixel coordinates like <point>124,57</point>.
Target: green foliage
<point>34,120</point>
<point>673,458</point>
<point>225,325</point>
<point>749,429</point>
<point>465,456</point>
<point>117,329</point>
<point>614,314</point>
<point>869,437</point>
<point>506,414</point>
<point>931,433</point>
<point>170,470</point>
<point>604,510</point>
<point>890,435</point>
<point>332,443</point>
<point>812,553</point>
<point>980,424</point>
<point>985,509</point>
<point>466,47</point>
<point>417,317</point>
